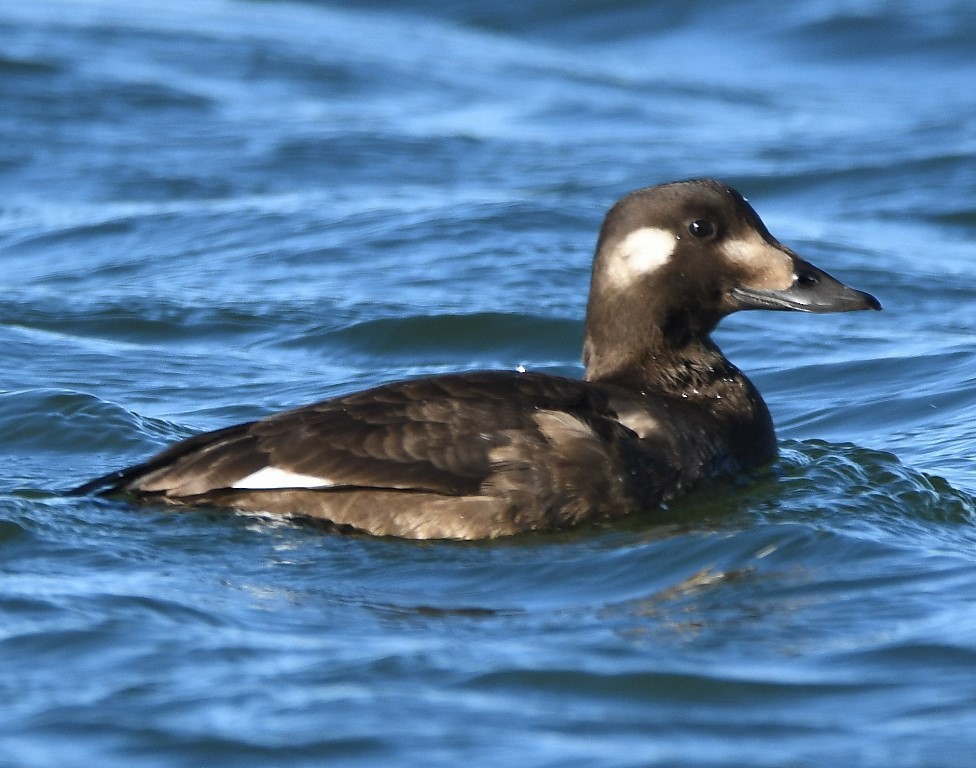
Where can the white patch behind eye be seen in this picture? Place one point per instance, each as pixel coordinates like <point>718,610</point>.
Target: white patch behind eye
<point>273,477</point>
<point>640,253</point>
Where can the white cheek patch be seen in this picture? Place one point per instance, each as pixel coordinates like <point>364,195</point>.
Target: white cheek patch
<point>770,268</point>
<point>642,252</point>
<point>272,477</point>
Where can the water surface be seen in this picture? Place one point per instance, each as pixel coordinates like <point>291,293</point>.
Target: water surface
<point>214,209</point>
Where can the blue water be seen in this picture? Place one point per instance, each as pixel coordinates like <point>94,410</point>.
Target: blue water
<point>213,209</point>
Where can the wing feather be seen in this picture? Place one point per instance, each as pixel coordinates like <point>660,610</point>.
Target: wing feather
<point>434,435</point>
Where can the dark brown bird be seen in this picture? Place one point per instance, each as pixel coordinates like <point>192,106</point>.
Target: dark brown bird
<point>480,455</point>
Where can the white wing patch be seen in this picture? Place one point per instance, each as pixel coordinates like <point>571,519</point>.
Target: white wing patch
<point>273,477</point>
<point>637,419</point>
<point>557,426</point>
<point>643,251</point>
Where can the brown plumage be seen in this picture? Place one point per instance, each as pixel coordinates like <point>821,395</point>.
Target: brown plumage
<point>488,454</point>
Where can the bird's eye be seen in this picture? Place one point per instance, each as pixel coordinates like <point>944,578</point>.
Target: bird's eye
<point>701,228</point>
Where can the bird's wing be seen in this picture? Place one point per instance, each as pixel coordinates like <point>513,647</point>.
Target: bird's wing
<point>442,435</point>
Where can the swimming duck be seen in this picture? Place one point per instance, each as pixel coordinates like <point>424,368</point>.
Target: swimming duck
<point>659,411</point>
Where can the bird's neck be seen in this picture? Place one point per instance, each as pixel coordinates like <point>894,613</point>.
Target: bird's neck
<point>692,369</point>
<point>700,382</point>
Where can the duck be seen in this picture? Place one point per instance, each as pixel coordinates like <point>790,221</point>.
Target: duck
<point>659,411</point>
